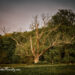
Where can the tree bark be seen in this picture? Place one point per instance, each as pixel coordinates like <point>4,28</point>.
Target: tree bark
<point>36,59</point>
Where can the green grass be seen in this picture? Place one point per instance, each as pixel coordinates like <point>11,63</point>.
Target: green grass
<point>40,69</point>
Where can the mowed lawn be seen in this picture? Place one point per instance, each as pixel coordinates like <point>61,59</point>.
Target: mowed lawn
<point>59,69</point>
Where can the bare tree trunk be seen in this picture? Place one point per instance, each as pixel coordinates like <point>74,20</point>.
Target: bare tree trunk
<point>36,59</point>
<point>37,38</point>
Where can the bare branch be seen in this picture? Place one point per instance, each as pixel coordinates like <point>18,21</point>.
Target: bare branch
<point>20,44</point>
<point>45,20</point>
<point>32,49</point>
<point>4,29</point>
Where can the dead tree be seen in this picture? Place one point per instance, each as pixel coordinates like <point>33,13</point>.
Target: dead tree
<point>36,51</point>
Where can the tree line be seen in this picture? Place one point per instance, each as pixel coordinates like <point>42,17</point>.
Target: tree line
<point>54,42</point>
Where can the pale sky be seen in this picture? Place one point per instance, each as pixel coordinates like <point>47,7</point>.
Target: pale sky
<point>17,15</point>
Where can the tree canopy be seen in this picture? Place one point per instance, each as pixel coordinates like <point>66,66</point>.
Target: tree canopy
<point>64,17</point>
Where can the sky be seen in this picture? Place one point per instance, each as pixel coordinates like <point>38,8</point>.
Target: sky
<point>17,15</point>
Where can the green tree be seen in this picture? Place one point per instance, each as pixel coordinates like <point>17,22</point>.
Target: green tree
<point>64,17</point>
<point>7,49</point>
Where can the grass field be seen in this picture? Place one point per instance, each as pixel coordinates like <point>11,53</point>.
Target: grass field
<point>39,69</point>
